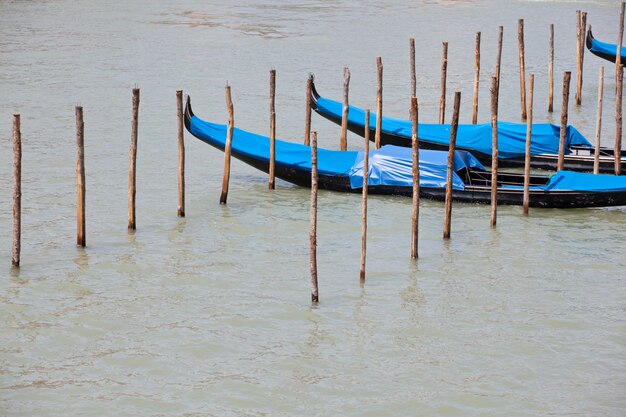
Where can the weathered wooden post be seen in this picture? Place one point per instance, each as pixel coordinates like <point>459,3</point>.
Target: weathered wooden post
<point>618,54</point>
<point>81,237</point>
<point>272,129</point>
<point>450,171</point>
<point>366,158</point>
<point>444,76</point>
<point>618,121</point>
<point>343,140</point>
<point>132,183</point>
<point>578,60</point>
<point>551,71</point>
<point>379,101</point>
<point>181,154</point>
<point>313,229</point>
<point>582,31</point>
<point>566,81</point>
<point>596,155</point>
<point>415,206</point>
<point>412,67</point>
<point>17,191</point>
<point>494,152</point>
<point>307,117</point>
<point>529,133</point>
<point>228,147</point>
<point>476,80</point>
<point>499,56</point>
<point>522,67</point>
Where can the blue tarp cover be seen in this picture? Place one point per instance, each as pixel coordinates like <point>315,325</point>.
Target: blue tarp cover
<point>606,48</point>
<point>393,165</point>
<point>390,165</point>
<point>578,181</point>
<point>511,136</point>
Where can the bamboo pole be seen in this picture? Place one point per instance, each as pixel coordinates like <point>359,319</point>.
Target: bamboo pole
<point>343,140</point>
<point>499,57</point>
<point>366,152</point>
<point>412,67</point>
<point>313,229</point>
<point>228,146</point>
<point>494,152</point>
<point>181,154</point>
<point>379,101</point>
<point>596,154</point>
<point>444,72</point>
<point>618,121</point>
<point>81,237</point>
<point>132,182</point>
<point>581,47</point>
<point>522,67</point>
<point>476,80</point>
<point>307,117</point>
<point>566,81</point>
<point>451,150</point>
<point>529,133</point>
<point>271,181</point>
<point>578,51</point>
<point>17,191</point>
<point>551,71</point>
<point>415,206</point>
<point>618,52</point>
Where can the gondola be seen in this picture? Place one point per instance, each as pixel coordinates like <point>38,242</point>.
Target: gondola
<point>390,172</point>
<point>579,153</point>
<point>603,49</point>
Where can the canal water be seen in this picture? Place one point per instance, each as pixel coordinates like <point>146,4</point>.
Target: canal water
<point>210,315</point>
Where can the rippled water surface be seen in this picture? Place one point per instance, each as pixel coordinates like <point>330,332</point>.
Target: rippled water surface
<point>211,314</point>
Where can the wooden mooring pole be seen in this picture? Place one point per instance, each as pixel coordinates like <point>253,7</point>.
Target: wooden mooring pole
<point>228,146</point>
<point>17,191</point>
<point>379,101</point>
<point>618,121</point>
<point>412,67</point>
<point>522,67</point>
<point>444,76</point>
<point>132,183</point>
<point>366,151</point>
<point>499,56</point>
<point>81,237</point>
<point>307,116</point>
<point>566,81</point>
<point>494,152</point>
<point>476,80</point>
<point>415,206</point>
<point>581,30</point>
<point>272,168</point>
<point>529,133</point>
<point>451,150</point>
<point>551,71</point>
<point>181,154</point>
<point>343,139</point>
<point>313,228</point>
<point>620,38</point>
<point>596,154</point>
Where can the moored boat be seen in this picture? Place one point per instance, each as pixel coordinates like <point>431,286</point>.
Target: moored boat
<point>390,172</point>
<point>579,153</point>
<point>603,49</point>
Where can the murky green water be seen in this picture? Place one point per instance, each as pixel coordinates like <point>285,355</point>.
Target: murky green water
<point>210,315</point>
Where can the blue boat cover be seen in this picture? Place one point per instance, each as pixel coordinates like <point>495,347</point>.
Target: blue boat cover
<point>605,48</point>
<point>393,165</point>
<point>511,136</point>
<point>389,165</point>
